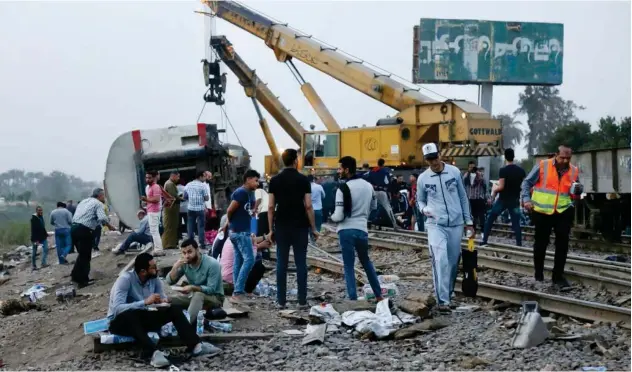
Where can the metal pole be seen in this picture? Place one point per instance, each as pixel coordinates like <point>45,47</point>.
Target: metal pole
<point>486,95</point>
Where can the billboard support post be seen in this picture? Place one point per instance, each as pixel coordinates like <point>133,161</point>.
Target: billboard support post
<point>486,97</point>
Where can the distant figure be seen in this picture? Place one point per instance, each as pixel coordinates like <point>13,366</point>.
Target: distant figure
<point>184,207</point>
<point>476,189</point>
<point>171,213</point>
<point>508,190</point>
<point>39,235</point>
<point>318,195</point>
<point>196,194</point>
<point>90,214</point>
<point>290,216</point>
<point>418,218</point>
<point>61,220</point>
<point>153,198</point>
<point>354,201</point>
<point>379,177</point>
<point>261,200</point>
<point>142,235</point>
<point>552,204</point>
<point>71,207</point>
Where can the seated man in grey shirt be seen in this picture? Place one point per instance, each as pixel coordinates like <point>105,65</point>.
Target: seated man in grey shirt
<point>138,305</point>
<point>141,235</point>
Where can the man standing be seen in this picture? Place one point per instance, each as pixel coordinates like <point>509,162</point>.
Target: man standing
<point>261,200</point>
<point>441,197</point>
<point>508,190</point>
<point>291,203</point>
<point>90,214</point>
<point>196,194</point>
<point>552,205</point>
<point>133,312</point>
<point>71,207</point>
<point>154,194</point>
<point>239,217</point>
<point>204,275</point>
<point>61,220</point>
<point>354,201</point>
<point>417,216</point>
<point>142,235</point>
<point>476,189</point>
<point>39,235</point>
<point>318,195</point>
<point>379,177</point>
<point>171,212</point>
<point>184,208</point>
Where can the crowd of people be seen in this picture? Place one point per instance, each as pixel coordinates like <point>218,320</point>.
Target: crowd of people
<point>441,200</point>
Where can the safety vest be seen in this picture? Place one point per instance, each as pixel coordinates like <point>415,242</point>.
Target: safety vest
<point>552,193</point>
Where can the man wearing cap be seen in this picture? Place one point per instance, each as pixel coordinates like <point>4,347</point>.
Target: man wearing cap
<point>441,197</point>
<point>142,235</point>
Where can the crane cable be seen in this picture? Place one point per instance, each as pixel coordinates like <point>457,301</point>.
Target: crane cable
<point>406,81</point>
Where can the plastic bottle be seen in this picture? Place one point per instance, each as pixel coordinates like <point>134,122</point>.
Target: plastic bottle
<point>222,327</point>
<point>200,323</point>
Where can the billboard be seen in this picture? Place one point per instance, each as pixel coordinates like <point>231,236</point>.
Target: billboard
<point>459,51</point>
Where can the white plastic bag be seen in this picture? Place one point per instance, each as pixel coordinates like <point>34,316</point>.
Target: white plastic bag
<point>326,313</point>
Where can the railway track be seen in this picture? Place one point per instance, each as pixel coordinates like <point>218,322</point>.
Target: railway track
<point>528,233</point>
<point>612,276</point>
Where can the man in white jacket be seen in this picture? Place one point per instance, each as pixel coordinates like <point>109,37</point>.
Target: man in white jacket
<point>442,198</point>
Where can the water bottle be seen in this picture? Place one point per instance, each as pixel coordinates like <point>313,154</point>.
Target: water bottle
<point>222,327</point>
<point>200,323</point>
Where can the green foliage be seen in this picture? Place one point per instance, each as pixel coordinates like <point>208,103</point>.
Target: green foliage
<point>546,111</point>
<point>579,137</point>
<point>513,133</point>
<point>15,233</point>
<point>18,185</point>
<point>526,164</point>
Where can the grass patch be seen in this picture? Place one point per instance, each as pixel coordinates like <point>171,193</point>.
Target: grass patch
<point>14,234</point>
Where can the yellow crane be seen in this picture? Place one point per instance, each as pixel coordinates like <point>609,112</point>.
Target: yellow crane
<point>461,128</point>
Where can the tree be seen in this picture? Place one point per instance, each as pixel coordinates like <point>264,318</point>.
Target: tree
<point>26,197</point>
<point>546,111</point>
<point>513,134</point>
<point>576,135</point>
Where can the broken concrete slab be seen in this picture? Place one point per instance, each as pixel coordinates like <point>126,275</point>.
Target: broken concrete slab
<point>470,363</point>
<point>348,305</point>
<point>418,328</point>
<point>317,336</point>
<point>423,298</point>
<point>296,319</point>
<point>414,308</point>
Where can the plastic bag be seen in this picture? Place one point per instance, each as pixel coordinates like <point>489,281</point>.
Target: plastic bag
<point>388,290</point>
<point>327,313</point>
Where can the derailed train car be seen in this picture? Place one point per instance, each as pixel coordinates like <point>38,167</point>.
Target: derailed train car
<point>605,174</point>
<point>188,149</point>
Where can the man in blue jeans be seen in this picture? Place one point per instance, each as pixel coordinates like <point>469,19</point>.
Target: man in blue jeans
<point>39,235</point>
<point>239,216</point>
<point>196,194</point>
<point>61,220</point>
<point>290,216</point>
<point>142,235</point>
<point>355,199</point>
<point>508,190</point>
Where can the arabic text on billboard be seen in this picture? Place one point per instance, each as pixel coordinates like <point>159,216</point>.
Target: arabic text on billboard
<point>503,53</point>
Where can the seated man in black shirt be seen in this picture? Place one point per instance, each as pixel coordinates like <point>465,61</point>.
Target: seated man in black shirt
<point>508,190</point>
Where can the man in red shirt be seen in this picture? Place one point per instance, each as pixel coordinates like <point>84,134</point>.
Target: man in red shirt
<point>154,192</point>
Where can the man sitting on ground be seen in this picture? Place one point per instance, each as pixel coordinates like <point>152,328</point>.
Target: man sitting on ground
<point>142,235</point>
<point>227,260</point>
<point>204,275</point>
<point>133,312</point>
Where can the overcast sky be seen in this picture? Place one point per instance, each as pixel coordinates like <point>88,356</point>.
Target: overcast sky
<point>75,75</point>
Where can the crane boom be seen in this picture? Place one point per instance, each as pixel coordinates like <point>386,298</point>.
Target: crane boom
<point>287,43</point>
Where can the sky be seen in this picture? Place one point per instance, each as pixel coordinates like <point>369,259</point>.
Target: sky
<point>76,75</point>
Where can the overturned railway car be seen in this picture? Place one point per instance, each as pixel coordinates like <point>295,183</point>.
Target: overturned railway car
<point>188,149</point>
<point>605,207</point>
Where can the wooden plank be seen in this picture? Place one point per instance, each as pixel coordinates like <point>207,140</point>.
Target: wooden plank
<point>167,342</point>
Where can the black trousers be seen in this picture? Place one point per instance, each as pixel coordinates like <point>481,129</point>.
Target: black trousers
<point>560,223</point>
<point>83,239</point>
<point>255,276</point>
<point>137,322</point>
<point>262,224</point>
<point>478,208</point>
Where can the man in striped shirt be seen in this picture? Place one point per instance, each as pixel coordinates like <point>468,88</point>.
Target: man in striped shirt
<point>196,193</point>
<point>89,214</point>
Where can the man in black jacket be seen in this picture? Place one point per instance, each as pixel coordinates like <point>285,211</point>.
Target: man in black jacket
<point>39,235</point>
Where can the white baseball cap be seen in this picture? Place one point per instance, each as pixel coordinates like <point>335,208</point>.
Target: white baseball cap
<point>430,151</point>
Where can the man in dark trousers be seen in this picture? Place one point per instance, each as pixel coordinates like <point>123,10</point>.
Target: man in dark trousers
<point>290,201</point>
<point>133,312</point>
<point>508,190</point>
<point>555,184</point>
<point>39,235</point>
<point>476,189</point>
<point>90,214</point>
<point>380,177</point>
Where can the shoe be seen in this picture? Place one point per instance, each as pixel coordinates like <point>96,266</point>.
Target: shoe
<point>562,284</point>
<point>206,349</point>
<point>539,277</point>
<point>278,306</point>
<point>303,307</point>
<point>444,309</point>
<point>159,360</point>
<point>34,268</point>
<point>45,266</point>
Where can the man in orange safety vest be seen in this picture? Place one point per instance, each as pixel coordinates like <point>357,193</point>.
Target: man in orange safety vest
<point>555,184</point>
